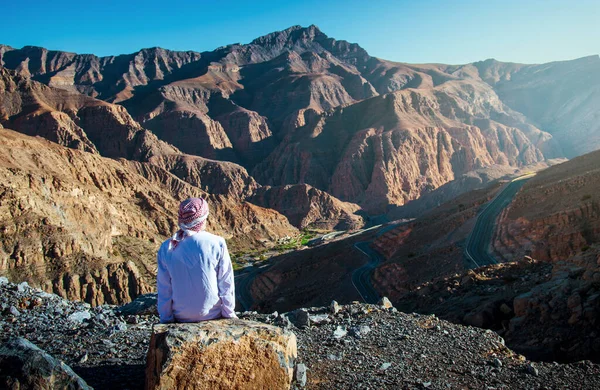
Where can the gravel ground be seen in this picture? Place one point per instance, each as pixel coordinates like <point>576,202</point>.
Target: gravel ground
<point>396,350</point>
<point>359,347</point>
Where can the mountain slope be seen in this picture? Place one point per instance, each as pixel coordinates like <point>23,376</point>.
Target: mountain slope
<point>88,227</point>
<point>560,97</point>
<point>74,120</point>
<point>391,149</point>
<point>556,215</point>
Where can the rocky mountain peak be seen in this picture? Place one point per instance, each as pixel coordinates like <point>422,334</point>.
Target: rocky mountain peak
<point>292,34</point>
<point>310,39</point>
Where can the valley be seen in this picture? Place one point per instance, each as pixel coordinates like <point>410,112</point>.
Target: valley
<point>332,174</point>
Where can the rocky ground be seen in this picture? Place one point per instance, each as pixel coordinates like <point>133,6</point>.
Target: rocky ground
<point>101,346</point>
<point>351,346</point>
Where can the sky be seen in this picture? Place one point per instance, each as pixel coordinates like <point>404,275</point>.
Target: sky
<point>442,31</point>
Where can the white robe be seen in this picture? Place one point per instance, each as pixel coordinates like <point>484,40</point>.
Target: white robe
<point>195,280</point>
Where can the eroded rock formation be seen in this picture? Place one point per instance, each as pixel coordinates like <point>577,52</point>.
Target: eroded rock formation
<point>305,206</point>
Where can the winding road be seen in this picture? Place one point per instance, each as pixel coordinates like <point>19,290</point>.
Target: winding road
<point>476,249</point>
<point>478,242</point>
<point>361,277</point>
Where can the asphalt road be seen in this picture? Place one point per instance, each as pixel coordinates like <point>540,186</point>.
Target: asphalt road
<point>361,277</point>
<point>478,242</point>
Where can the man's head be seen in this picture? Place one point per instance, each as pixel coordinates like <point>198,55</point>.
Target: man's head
<point>192,214</point>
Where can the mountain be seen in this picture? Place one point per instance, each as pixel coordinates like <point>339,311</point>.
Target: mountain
<point>74,120</point>
<point>53,236</point>
<point>392,149</point>
<point>291,131</point>
<point>297,106</point>
<point>560,97</point>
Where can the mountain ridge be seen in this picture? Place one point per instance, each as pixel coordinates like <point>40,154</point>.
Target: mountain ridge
<point>240,102</point>
<point>298,118</point>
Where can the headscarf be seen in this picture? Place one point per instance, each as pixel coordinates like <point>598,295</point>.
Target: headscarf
<point>191,219</point>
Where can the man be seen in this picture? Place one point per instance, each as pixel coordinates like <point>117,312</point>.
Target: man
<point>195,276</point>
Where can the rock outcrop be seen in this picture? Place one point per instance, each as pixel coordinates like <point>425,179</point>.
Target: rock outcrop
<point>557,318</point>
<point>556,215</point>
<point>220,354</point>
<point>543,310</point>
<point>25,366</point>
<point>306,206</point>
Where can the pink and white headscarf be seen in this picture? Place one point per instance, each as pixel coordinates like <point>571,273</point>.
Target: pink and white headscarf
<point>191,219</point>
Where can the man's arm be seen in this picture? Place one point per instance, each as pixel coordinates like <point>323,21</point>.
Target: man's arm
<point>165,292</point>
<point>226,284</point>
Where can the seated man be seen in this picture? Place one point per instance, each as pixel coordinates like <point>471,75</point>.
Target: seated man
<point>195,277</point>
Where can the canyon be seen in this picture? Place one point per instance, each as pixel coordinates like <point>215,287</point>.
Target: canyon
<point>295,131</point>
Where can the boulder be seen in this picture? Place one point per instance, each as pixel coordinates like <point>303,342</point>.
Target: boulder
<point>385,303</point>
<point>25,366</point>
<point>300,318</point>
<point>220,354</point>
<point>334,307</point>
<point>142,305</point>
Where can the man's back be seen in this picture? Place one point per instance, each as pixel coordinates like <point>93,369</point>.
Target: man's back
<point>195,279</point>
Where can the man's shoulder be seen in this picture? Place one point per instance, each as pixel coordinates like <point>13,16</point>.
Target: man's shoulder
<point>206,236</point>
<point>164,245</point>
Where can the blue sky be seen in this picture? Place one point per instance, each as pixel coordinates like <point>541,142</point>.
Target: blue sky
<point>445,31</point>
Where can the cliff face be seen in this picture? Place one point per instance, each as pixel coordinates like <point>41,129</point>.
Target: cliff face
<point>556,215</point>
<point>392,149</point>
